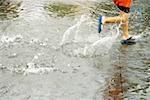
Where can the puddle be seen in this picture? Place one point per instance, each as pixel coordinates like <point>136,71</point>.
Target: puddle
<point>54,57</point>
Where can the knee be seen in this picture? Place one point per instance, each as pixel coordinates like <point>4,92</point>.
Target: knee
<point>125,17</point>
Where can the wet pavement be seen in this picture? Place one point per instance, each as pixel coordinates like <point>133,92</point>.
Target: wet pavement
<point>52,51</point>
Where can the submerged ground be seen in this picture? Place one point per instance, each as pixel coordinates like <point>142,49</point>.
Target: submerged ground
<point>50,50</point>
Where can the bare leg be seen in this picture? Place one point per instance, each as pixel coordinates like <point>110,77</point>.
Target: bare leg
<point>118,19</point>
<point>125,34</point>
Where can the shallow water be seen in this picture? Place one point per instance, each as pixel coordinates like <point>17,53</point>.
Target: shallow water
<point>46,57</point>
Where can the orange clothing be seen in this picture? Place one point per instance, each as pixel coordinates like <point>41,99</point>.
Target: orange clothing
<point>123,3</point>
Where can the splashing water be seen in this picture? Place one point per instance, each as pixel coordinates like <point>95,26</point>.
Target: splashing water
<point>90,44</point>
<point>7,39</point>
<point>73,30</point>
<point>103,45</point>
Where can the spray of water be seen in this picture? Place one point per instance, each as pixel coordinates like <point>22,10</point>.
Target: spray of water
<point>97,47</point>
<point>73,31</point>
<point>103,45</point>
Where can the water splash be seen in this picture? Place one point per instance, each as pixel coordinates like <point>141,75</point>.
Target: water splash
<point>33,68</point>
<point>103,45</point>
<point>72,31</point>
<point>87,44</point>
<point>8,39</point>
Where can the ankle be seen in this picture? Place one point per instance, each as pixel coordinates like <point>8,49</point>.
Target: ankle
<point>125,37</point>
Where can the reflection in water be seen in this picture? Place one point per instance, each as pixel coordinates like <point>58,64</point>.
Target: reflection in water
<point>115,88</point>
<point>130,79</point>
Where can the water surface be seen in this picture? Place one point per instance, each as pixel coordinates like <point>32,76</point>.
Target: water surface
<point>47,53</point>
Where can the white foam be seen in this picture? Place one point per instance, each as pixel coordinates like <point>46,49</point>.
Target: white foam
<point>9,39</point>
<point>34,70</point>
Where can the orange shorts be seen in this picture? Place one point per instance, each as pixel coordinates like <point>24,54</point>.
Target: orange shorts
<point>123,5</point>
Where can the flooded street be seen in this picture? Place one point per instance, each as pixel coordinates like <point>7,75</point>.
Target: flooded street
<point>51,50</point>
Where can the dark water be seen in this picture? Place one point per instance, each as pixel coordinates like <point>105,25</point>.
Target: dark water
<point>51,51</point>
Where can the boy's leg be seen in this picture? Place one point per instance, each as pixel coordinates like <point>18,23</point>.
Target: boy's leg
<point>122,18</point>
<point>117,19</point>
<point>125,34</point>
